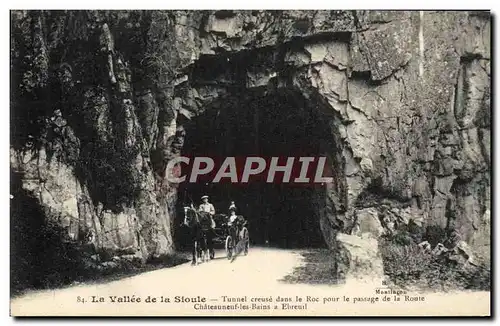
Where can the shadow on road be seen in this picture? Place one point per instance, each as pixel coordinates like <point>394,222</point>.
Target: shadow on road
<point>219,258</point>
<point>318,268</point>
<point>114,274</point>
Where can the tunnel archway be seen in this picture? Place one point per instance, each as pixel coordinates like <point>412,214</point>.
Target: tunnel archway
<point>256,123</point>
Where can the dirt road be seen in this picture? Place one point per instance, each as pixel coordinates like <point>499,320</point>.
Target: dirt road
<point>248,286</point>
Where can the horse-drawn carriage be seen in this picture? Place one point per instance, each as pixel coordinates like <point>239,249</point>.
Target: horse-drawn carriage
<point>205,231</point>
<point>234,236</point>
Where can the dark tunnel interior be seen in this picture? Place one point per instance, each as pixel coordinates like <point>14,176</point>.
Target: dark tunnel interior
<point>278,124</point>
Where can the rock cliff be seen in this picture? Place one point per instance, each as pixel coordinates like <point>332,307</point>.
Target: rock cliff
<point>100,99</point>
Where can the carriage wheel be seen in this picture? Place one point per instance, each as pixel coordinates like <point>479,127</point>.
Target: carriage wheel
<point>246,238</point>
<point>229,247</point>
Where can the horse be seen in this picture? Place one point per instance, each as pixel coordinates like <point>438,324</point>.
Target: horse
<point>199,224</point>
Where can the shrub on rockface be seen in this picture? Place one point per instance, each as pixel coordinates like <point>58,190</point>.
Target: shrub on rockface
<point>480,278</point>
<point>39,256</point>
<point>110,174</point>
<point>408,265</point>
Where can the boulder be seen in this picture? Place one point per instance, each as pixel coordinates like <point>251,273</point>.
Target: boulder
<point>425,246</point>
<point>439,249</point>
<point>368,222</point>
<point>462,253</point>
<point>364,257</point>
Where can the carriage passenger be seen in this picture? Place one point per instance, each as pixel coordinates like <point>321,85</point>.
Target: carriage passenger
<point>232,207</point>
<point>235,224</point>
<point>231,223</point>
<point>232,217</point>
<point>241,221</point>
<point>236,220</point>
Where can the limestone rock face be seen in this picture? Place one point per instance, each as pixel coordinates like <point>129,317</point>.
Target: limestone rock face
<point>365,261</point>
<point>368,221</point>
<point>100,99</point>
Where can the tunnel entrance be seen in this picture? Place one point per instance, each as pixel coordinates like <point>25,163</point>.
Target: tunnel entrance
<point>251,123</point>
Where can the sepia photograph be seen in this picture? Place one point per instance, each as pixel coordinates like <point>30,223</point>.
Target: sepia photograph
<point>250,163</point>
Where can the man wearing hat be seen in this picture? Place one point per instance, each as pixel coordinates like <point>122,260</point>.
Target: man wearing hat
<point>206,206</point>
<point>209,208</point>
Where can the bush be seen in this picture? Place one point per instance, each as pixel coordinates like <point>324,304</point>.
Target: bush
<point>408,265</point>
<point>403,262</point>
<point>436,234</point>
<point>39,257</point>
<point>480,278</point>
